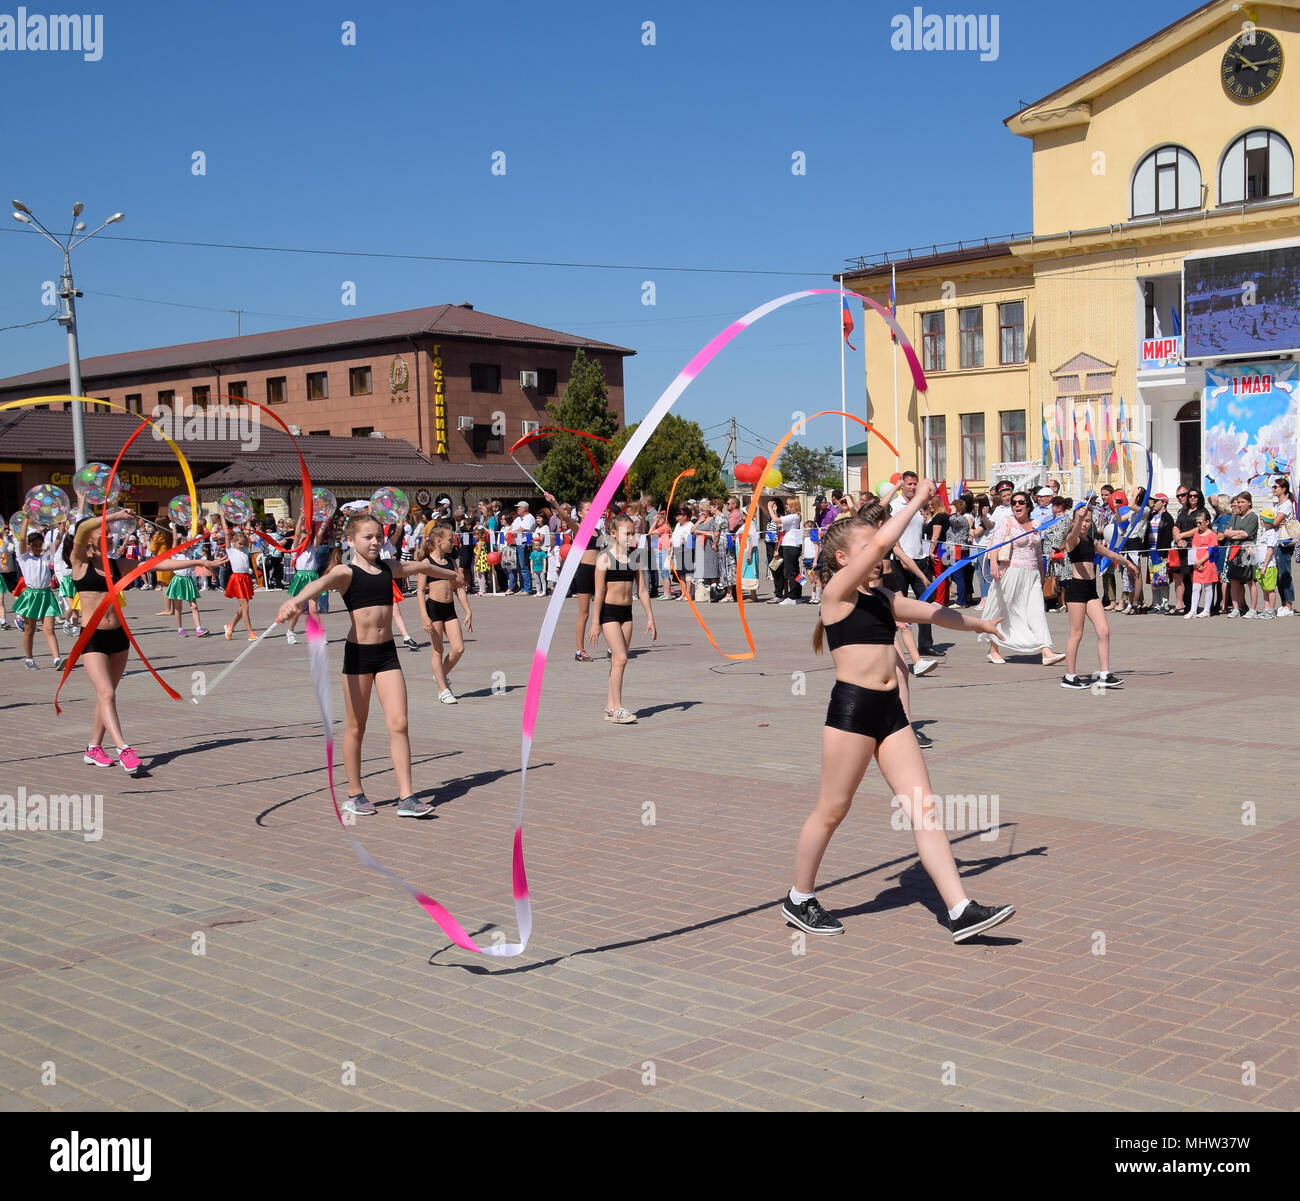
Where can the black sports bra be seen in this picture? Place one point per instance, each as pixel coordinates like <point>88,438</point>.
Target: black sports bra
<point>93,580</point>
<point>1085,551</point>
<point>369,588</point>
<point>871,622</point>
<point>619,572</point>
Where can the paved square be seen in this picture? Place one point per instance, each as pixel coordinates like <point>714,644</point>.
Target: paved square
<point>660,975</point>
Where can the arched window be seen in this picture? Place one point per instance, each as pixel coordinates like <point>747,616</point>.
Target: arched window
<point>1259,164</point>
<point>1166,181</point>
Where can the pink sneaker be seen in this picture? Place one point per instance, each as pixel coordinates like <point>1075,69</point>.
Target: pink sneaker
<point>200,632</point>
<point>129,760</point>
<point>180,633</point>
<point>95,755</point>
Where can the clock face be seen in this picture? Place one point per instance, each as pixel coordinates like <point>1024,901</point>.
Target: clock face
<point>1252,65</point>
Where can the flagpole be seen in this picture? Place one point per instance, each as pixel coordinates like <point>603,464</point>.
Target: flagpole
<point>844,424</point>
<point>893,273</point>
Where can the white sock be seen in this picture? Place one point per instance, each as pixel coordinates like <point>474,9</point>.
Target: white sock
<point>958,909</point>
<point>1069,675</point>
<point>800,897</point>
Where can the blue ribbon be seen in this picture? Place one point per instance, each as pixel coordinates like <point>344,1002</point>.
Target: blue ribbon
<point>1038,529</point>
<point>1121,534</point>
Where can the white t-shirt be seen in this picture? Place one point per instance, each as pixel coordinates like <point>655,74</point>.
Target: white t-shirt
<point>305,560</point>
<point>1264,540</point>
<point>36,569</point>
<point>809,548</point>
<point>525,523</point>
<point>1286,510</point>
<point>238,560</point>
<point>791,530</point>
<point>681,532</point>
<point>910,542</point>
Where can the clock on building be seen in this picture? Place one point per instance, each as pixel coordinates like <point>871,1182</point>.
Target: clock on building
<point>1252,65</point>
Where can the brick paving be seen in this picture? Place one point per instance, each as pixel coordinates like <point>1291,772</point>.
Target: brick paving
<point>660,975</point>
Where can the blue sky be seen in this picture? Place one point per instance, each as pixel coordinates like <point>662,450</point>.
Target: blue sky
<point>676,154</point>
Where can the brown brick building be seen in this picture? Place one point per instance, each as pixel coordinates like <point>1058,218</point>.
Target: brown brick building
<point>459,385</point>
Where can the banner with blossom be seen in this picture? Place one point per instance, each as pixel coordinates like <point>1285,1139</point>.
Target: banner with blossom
<point>1249,423</point>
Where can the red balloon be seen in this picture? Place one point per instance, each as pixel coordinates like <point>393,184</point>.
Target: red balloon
<point>744,474</point>
<point>565,547</point>
<point>896,477</point>
<point>494,557</point>
<point>1117,499</point>
<point>758,461</point>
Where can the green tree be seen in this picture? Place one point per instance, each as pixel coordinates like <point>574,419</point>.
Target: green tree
<point>565,469</point>
<point>676,445</point>
<point>808,470</point>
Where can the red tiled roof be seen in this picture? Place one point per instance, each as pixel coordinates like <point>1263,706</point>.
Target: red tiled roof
<point>445,320</point>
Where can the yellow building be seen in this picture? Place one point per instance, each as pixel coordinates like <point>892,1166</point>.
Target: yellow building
<point>1179,148</point>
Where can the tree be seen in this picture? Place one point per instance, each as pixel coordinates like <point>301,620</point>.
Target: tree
<point>807,470</point>
<point>566,471</point>
<point>676,445</point>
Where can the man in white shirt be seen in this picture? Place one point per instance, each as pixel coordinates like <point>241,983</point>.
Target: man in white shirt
<point>910,545</point>
<point>521,535</point>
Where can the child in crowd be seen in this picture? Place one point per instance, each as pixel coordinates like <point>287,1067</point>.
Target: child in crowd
<point>537,564</point>
<point>481,564</point>
<point>1205,572</point>
<point>1265,580</point>
<point>810,549</point>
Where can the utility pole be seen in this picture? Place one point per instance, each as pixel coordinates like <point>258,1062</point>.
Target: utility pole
<point>733,446</point>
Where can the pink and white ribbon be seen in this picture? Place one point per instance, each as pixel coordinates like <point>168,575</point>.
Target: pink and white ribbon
<point>532,698</point>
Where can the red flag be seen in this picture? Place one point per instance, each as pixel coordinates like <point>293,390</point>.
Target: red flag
<point>846,322</point>
<point>942,494</point>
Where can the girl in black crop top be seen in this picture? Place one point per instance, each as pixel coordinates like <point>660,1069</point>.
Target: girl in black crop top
<point>866,718</point>
<point>617,566</point>
<point>370,660</point>
<point>439,607</point>
<point>1082,548</point>
<point>105,652</point>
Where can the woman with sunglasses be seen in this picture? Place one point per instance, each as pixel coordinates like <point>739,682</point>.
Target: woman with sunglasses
<point>1284,511</point>
<point>1184,527</point>
<point>1015,599</point>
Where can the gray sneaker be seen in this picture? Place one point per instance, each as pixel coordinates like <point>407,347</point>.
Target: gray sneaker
<point>359,806</point>
<point>409,807</point>
<point>1267,615</point>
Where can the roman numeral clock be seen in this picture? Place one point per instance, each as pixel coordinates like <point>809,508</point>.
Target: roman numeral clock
<point>1252,65</point>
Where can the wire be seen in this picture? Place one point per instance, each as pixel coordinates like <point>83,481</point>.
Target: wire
<point>205,307</point>
<point>442,258</point>
<point>28,324</point>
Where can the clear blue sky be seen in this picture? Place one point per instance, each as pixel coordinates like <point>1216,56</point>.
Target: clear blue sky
<point>677,154</point>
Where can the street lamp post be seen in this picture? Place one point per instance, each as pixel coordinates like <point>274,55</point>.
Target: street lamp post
<point>68,318</point>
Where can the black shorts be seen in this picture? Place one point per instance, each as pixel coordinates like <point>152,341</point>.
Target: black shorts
<point>440,610</point>
<point>360,659</point>
<point>615,613</point>
<point>1080,592</point>
<point>106,642</point>
<point>10,579</point>
<point>584,580</point>
<point>875,714</point>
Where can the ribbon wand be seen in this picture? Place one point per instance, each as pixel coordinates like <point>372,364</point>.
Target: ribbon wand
<point>209,689</point>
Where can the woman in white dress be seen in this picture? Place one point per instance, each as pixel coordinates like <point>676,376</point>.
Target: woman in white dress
<point>1015,600</point>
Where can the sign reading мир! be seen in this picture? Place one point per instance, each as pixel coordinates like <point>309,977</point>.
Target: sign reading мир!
<point>1161,352</point>
<point>439,401</point>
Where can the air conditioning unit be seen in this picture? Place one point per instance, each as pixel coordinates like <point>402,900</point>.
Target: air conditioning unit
<point>528,379</point>
<point>531,427</point>
<point>378,434</point>
<point>464,423</point>
<point>296,431</point>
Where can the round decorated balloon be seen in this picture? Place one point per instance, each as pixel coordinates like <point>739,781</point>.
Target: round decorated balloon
<point>390,505</point>
<point>236,507</point>
<point>46,505</point>
<point>16,522</point>
<point>180,512</point>
<point>323,504</point>
<point>92,483</point>
<point>123,527</point>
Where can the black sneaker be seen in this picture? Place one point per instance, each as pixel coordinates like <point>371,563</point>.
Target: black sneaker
<point>1105,680</point>
<point>923,740</point>
<point>975,919</point>
<point>811,917</point>
<point>411,643</point>
<point>1077,682</point>
<point>932,651</point>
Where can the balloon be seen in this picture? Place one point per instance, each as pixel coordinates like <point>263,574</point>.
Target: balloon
<point>887,490</point>
<point>494,557</point>
<point>884,486</point>
<point>759,461</point>
<point>389,505</point>
<point>1117,499</point>
<point>323,504</point>
<point>46,505</point>
<point>564,551</point>
<point>179,511</point>
<point>91,482</point>
<point>123,527</point>
<point>16,522</point>
<point>896,477</point>
<point>772,478</point>
<point>236,507</point>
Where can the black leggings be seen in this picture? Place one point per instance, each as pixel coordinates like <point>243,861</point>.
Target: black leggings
<point>787,579</point>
